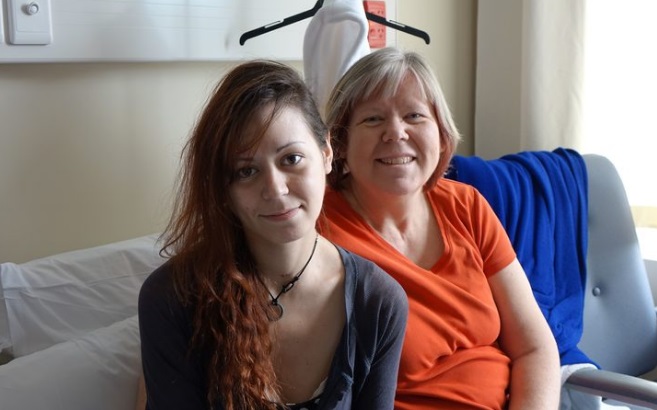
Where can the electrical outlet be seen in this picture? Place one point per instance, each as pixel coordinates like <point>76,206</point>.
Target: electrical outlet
<point>29,22</point>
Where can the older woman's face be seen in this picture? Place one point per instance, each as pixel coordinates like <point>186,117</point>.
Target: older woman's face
<point>393,143</point>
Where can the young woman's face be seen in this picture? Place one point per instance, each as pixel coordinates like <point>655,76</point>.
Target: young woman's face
<point>394,143</point>
<point>278,188</point>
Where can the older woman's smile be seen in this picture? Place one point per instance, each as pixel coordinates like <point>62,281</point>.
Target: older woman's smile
<point>396,160</point>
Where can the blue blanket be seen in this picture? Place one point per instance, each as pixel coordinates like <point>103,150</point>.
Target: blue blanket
<point>541,199</point>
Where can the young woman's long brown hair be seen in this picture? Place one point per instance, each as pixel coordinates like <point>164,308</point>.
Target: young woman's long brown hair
<point>215,273</point>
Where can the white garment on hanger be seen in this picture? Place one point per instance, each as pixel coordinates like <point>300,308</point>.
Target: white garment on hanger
<point>336,38</point>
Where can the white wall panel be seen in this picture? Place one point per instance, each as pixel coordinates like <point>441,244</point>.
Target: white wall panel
<point>162,30</point>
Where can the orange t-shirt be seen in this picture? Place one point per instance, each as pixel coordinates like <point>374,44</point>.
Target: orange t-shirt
<point>450,358</point>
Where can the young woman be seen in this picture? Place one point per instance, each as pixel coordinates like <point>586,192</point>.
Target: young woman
<point>254,309</point>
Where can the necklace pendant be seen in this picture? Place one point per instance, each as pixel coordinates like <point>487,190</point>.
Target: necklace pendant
<point>276,308</point>
<point>276,311</point>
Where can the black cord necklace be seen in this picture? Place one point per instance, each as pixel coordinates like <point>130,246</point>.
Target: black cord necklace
<point>276,305</point>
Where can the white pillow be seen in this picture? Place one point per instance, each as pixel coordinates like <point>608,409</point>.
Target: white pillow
<point>57,298</point>
<point>99,371</point>
<point>5,339</point>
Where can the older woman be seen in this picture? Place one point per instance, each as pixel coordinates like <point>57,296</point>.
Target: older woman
<point>476,339</point>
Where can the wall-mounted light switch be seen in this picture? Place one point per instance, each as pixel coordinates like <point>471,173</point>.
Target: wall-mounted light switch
<point>29,22</point>
<point>2,21</point>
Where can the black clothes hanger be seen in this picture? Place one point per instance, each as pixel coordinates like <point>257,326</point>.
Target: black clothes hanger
<point>309,13</point>
<point>398,26</point>
<point>282,23</point>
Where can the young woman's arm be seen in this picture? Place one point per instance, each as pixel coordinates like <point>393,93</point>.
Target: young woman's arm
<point>141,393</point>
<point>528,340</point>
<point>384,327</point>
<point>173,377</point>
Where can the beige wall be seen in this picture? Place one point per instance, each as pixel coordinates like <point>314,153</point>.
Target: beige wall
<point>89,152</point>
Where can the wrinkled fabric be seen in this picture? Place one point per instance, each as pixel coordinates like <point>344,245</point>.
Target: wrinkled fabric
<point>335,39</point>
<point>541,198</point>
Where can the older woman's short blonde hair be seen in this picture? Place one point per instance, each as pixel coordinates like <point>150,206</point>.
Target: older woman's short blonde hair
<point>380,73</point>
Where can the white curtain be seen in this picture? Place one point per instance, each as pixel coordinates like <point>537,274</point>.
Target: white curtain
<point>529,75</point>
<point>619,105</point>
<point>573,73</point>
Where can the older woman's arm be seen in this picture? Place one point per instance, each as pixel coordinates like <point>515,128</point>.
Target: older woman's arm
<point>528,340</point>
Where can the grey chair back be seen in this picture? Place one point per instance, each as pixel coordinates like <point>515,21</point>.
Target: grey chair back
<point>620,324</point>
